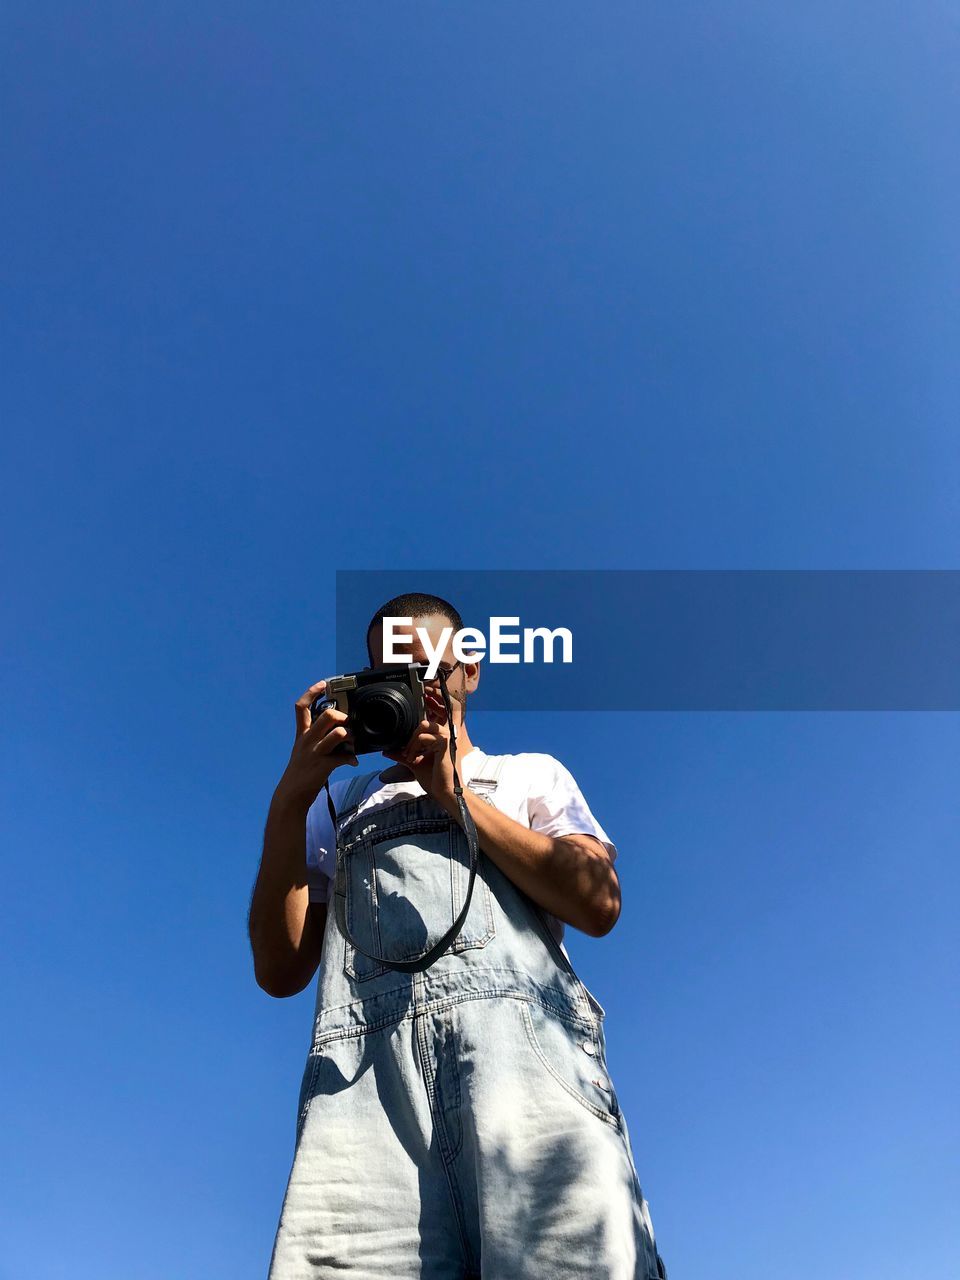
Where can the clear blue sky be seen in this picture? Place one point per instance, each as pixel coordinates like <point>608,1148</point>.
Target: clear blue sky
<point>313,286</point>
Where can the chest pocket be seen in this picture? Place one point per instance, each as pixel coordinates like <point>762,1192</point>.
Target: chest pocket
<point>406,874</point>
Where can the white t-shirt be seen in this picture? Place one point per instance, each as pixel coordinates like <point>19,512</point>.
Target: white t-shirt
<point>534,789</point>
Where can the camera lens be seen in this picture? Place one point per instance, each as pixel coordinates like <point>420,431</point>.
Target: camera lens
<point>384,714</point>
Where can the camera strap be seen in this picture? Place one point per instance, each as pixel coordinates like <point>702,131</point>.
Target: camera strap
<point>428,957</point>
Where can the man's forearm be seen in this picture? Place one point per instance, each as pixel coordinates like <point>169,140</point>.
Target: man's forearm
<point>571,877</point>
<point>285,946</point>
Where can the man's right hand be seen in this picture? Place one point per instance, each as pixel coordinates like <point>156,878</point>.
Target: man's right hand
<point>321,745</point>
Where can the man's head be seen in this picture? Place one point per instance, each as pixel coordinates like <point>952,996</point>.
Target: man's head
<point>432,614</point>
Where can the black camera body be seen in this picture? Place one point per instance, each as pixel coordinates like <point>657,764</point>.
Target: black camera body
<point>383,706</point>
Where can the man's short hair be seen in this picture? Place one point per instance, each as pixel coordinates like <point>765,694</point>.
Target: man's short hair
<point>414,604</point>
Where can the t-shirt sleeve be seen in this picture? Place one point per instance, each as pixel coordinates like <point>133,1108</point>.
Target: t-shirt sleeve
<point>557,807</point>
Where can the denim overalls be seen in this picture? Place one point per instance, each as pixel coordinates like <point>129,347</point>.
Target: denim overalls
<point>459,1122</point>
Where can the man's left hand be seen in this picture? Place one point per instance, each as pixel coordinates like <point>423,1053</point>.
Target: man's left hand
<point>427,754</point>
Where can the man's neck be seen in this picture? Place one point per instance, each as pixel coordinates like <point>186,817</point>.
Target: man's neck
<point>464,745</point>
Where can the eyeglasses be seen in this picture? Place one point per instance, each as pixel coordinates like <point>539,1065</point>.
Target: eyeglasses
<point>447,673</point>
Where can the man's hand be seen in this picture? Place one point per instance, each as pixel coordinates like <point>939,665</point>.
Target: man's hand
<point>427,754</point>
<point>320,746</point>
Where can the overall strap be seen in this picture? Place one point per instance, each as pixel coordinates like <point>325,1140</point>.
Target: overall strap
<point>485,782</point>
<point>352,797</point>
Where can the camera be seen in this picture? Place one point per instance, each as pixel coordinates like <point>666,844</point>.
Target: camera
<point>383,706</point>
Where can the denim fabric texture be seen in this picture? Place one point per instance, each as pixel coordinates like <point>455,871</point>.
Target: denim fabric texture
<point>460,1122</point>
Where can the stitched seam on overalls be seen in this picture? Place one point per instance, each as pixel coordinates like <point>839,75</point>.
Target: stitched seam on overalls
<point>413,826</point>
<point>441,1128</point>
<point>440,1004</point>
<point>403,988</point>
<point>350,964</point>
<point>436,1111</point>
<point>463,942</point>
<point>351,957</point>
<point>309,1094</point>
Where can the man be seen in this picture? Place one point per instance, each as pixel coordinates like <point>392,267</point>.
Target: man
<point>457,1122</point>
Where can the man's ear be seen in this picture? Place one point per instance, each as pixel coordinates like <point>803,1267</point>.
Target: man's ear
<point>471,675</point>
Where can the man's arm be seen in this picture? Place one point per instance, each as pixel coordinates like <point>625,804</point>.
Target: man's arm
<point>571,877</point>
<point>286,929</point>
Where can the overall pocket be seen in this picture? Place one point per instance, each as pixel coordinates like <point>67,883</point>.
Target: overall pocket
<point>406,883</point>
<point>573,1059</point>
